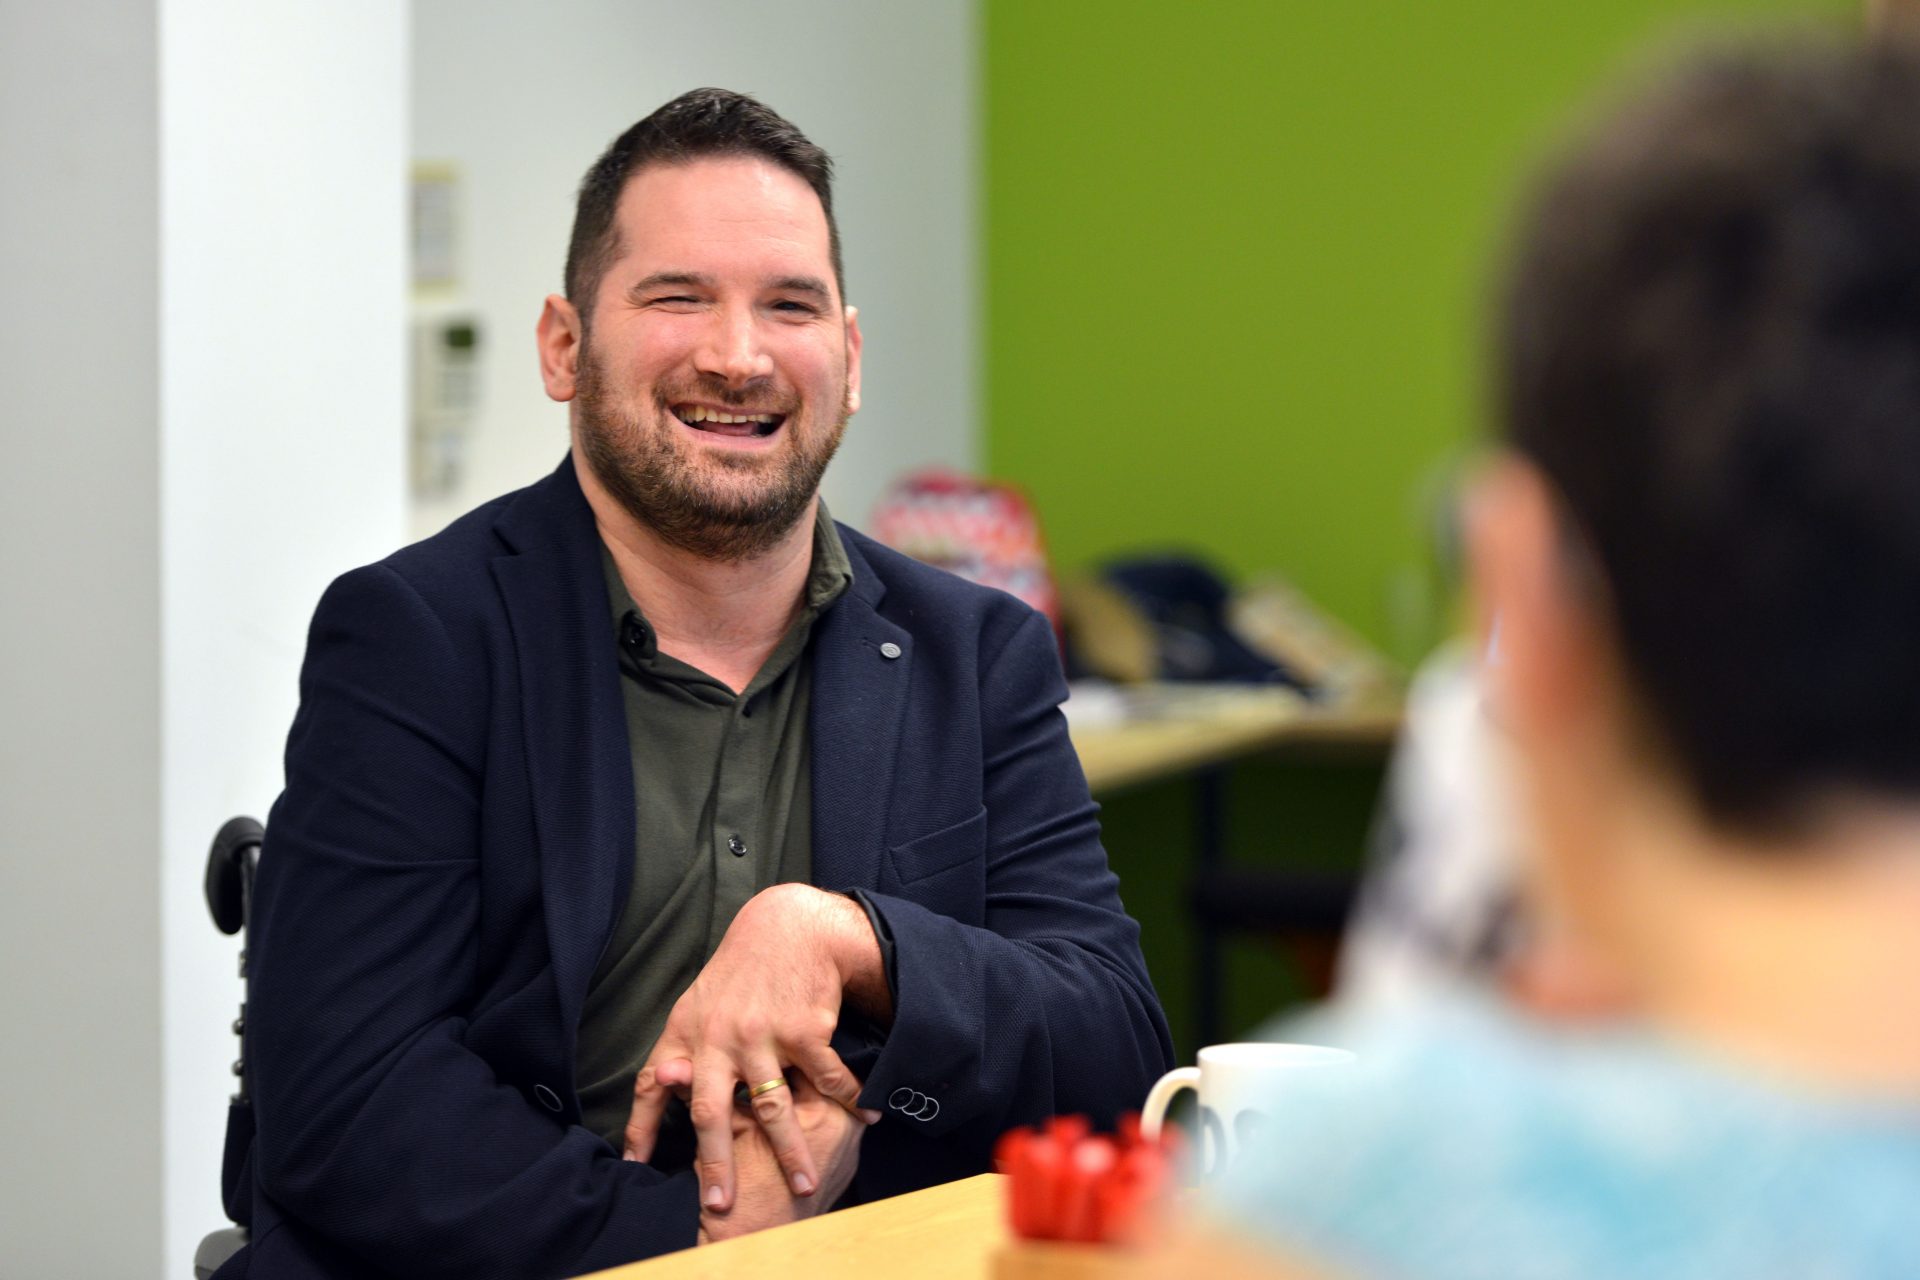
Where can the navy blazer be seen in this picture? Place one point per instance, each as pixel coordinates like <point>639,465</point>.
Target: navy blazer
<point>456,837</point>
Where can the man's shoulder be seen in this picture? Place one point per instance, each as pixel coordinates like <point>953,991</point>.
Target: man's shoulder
<point>469,542</point>
<point>454,566</point>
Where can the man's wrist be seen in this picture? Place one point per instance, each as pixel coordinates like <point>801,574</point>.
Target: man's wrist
<point>861,961</point>
<point>883,934</point>
<point>839,930</point>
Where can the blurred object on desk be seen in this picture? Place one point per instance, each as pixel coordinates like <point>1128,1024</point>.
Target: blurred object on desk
<point>1095,701</point>
<point>1161,618</point>
<point>1278,619</point>
<point>981,530</point>
<point>1175,619</point>
<point>1066,1183</point>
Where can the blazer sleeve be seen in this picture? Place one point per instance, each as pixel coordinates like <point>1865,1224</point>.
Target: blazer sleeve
<point>377,1127</point>
<point>1045,1007</point>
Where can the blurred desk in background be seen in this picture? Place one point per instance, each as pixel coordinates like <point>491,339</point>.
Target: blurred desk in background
<point>1148,732</point>
<point>1127,736</point>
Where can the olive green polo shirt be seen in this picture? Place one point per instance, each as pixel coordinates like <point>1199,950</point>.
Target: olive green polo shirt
<point>723,809</point>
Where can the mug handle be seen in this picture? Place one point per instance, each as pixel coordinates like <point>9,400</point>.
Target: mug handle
<point>1154,1113</point>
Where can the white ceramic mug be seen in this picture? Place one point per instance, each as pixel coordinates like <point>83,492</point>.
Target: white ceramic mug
<point>1236,1083</point>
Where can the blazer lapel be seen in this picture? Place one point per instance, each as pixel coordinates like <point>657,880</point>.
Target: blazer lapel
<point>574,723</point>
<point>859,704</point>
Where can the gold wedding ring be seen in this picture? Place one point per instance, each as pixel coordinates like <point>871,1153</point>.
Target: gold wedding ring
<point>767,1086</point>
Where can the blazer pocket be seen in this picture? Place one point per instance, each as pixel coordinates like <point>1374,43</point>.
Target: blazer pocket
<point>964,841</point>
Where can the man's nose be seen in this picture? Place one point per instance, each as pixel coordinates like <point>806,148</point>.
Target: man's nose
<point>733,350</point>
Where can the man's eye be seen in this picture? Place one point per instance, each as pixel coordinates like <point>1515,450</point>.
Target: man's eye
<point>800,308</point>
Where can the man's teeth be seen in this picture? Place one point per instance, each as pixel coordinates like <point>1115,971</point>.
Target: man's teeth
<point>691,414</point>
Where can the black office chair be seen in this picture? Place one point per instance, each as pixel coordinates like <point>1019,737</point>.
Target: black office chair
<point>231,864</point>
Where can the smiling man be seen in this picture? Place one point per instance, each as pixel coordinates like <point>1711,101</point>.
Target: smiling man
<point>647,813</point>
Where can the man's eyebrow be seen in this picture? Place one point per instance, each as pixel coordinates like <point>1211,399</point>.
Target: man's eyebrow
<point>695,280</point>
<point>801,284</point>
<point>660,279</point>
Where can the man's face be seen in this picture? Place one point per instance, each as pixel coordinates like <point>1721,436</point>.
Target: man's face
<point>718,364</point>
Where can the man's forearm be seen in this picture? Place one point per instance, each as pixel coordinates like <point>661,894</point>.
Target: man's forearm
<point>1001,1030</point>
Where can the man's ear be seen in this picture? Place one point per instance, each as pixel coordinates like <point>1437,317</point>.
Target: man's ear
<point>853,359</point>
<point>1551,666</point>
<point>558,337</point>
<point>1555,688</point>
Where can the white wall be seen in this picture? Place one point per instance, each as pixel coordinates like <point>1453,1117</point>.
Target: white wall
<point>203,247</point>
<point>523,98</point>
<point>283,182</point>
<point>80,1090</point>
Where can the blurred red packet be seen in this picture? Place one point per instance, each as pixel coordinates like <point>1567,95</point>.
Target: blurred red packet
<point>1066,1183</point>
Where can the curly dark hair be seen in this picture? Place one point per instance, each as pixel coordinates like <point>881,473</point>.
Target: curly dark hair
<point>1711,347</point>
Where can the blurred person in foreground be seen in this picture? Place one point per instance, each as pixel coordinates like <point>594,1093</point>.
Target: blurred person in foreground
<point>1702,543</point>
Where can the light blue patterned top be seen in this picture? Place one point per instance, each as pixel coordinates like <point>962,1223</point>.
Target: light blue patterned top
<point>1470,1143</point>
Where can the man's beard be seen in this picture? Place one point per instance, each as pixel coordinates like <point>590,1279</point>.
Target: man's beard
<point>657,479</point>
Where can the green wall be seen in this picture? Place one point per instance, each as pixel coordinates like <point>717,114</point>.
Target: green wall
<point>1236,253</point>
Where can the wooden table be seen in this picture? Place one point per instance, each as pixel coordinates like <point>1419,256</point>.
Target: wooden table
<point>954,1232</point>
<point>943,1233</point>
<point>1172,730</point>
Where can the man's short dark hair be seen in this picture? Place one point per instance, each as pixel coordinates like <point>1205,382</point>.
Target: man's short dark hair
<point>1711,348</point>
<point>699,124</point>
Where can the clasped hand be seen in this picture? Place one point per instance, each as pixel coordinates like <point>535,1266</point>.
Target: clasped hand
<point>762,1198</point>
<point>763,1009</point>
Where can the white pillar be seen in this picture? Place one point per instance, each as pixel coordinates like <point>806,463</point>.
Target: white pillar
<point>283,444</point>
<point>201,364</point>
